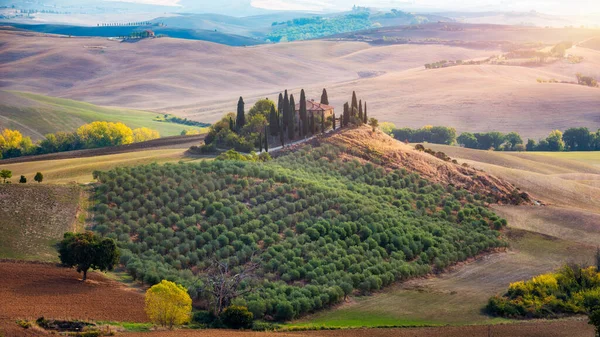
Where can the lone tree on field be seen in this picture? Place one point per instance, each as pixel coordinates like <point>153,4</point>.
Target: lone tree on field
<point>5,174</point>
<point>168,304</point>
<point>241,115</point>
<point>222,285</point>
<point>87,250</point>
<point>324,98</point>
<point>23,180</point>
<point>374,123</point>
<point>39,177</point>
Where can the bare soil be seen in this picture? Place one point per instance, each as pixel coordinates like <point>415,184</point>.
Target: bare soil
<point>32,290</point>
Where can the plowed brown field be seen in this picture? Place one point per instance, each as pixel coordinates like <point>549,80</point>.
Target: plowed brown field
<point>31,290</point>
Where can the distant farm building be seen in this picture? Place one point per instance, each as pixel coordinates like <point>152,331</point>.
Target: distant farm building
<point>316,110</point>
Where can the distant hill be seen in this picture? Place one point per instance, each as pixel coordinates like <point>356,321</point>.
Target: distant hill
<point>37,115</point>
<point>116,31</point>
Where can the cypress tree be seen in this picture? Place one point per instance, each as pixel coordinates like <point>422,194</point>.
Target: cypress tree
<point>303,127</point>
<point>241,117</point>
<point>354,106</point>
<point>273,125</point>
<point>346,116</point>
<point>260,142</point>
<point>280,104</point>
<point>231,125</point>
<point>266,141</point>
<point>333,121</point>
<point>365,114</point>
<point>323,122</point>
<point>312,123</point>
<point>285,109</point>
<point>281,134</point>
<point>324,98</point>
<point>360,111</point>
<point>291,115</point>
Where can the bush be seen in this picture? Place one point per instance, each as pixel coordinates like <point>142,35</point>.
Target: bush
<point>264,326</point>
<point>237,317</point>
<point>24,324</point>
<point>203,317</point>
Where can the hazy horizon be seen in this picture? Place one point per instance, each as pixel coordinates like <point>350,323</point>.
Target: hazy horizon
<point>556,7</point>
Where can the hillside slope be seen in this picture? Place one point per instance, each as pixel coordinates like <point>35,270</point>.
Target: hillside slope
<point>201,80</point>
<point>37,115</point>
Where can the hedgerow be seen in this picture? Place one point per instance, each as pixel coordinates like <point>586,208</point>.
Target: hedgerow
<point>321,227</point>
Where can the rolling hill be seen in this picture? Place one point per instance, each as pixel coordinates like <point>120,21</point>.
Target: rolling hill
<point>37,115</point>
<point>202,80</point>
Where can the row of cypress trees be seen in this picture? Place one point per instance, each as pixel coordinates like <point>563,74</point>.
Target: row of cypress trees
<point>282,120</point>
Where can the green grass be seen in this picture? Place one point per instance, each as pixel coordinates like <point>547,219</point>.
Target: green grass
<point>128,326</point>
<point>43,114</point>
<point>458,296</point>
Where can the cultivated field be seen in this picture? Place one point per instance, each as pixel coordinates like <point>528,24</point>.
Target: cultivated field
<point>150,74</point>
<point>79,170</point>
<point>37,115</point>
<point>34,216</point>
<point>32,290</point>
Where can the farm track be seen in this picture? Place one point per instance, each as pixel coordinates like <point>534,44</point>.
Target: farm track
<point>151,144</point>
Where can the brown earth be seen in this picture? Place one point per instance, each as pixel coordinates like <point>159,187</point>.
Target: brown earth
<point>32,290</point>
<point>376,146</point>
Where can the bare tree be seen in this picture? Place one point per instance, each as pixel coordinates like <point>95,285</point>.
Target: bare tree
<point>222,285</point>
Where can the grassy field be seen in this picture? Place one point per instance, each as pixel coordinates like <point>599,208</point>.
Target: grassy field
<point>36,115</point>
<point>79,170</point>
<point>33,217</point>
<point>456,297</point>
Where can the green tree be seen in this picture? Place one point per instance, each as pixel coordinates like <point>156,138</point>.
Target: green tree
<point>23,180</point>
<point>468,140</point>
<point>237,317</point>
<point>346,115</point>
<point>291,117</point>
<point>266,140</point>
<point>577,139</point>
<point>262,107</point>
<point>354,105</point>
<point>555,141</point>
<point>333,121</point>
<point>303,115</point>
<point>240,120</point>
<point>360,111</point>
<point>39,177</point>
<point>374,123</point>
<point>273,122</point>
<point>365,114</point>
<point>285,111</point>
<point>531,146</point>
<point>512,139</point>
<point>88,251</point>
<point>324,97</point>
<point>5,174</point>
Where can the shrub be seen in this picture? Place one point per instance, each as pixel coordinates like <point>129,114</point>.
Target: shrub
<point>237,317</point>
<point>264,326</point>
<point>203,317</point>
<point>168,304</point>
<point>24,324</point>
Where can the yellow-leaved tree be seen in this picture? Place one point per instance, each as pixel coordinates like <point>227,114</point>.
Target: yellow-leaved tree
<point>168,304</point>
<point>101,134</point>
<point>10,139</point>
<point>144,134</point>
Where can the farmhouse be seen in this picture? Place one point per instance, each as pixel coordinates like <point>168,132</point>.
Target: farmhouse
<point>316,110</point>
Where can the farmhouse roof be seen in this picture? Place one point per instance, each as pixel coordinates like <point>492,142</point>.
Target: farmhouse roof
<point>311,105</point>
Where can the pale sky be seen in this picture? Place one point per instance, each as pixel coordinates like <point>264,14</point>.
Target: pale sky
<point>563,7</point>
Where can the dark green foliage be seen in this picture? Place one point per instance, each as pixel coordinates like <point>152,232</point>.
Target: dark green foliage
<point>240,120</point>
<point>430,134</point>
<point>88,250</point>
<point>354,105</point>
<point>320,226</point>
<point>273,121</point>
<point>285,111</point>
<point>178,120</point>
<point>237,317</point>
<point>23,180</point>
<point>266,140</point>
<point>333,121</point>
<point>303,115</point>
<point>578,139</point>
<point>291,118</point>
<point>360,111</point>
<point>365,119</point>
<point>313,27</point>
<point>346,115</point>
<point>324,97</point>
<point>264,326</point>
<point>203,317</point>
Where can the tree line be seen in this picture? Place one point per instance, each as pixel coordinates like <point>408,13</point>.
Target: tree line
<point>268,124</point>
<point>93,135</point>
<point>572,139</point>
<point>7,174</point>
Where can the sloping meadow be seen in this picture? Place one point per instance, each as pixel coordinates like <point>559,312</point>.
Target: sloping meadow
<point>320,227</point>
